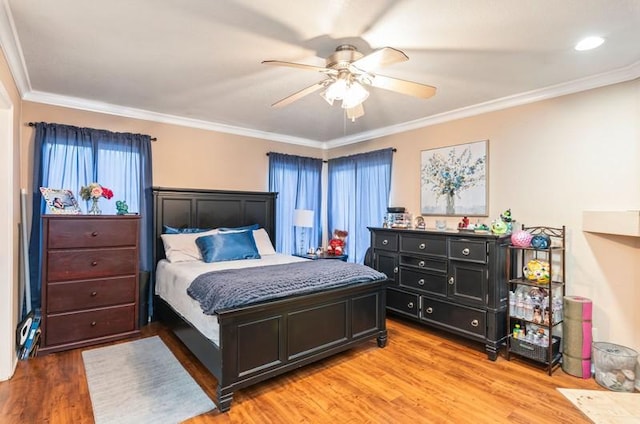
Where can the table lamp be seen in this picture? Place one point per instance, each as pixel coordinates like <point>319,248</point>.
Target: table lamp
<point>303,218</point>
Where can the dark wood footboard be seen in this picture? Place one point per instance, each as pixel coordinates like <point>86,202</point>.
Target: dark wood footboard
<point>261,341</point>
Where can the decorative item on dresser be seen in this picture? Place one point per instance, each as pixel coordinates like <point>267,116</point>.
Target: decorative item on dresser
<point>90,280</point>
<point>450,280</point>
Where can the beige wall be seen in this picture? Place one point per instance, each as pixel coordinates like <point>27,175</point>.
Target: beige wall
<point>548,162</point>
<point>10,105</point>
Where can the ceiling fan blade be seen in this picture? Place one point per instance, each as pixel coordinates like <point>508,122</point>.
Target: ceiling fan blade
<point>401,86</point>
<point>355,112</point>
<point>300,94</point>
<point>382,57</point>
<point>299,66</point>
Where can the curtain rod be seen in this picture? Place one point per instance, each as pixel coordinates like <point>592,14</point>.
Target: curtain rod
<point>33,124</point>
<point>324,161</point>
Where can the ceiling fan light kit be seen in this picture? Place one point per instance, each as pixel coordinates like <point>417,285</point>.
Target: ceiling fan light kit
<point>348,71</point>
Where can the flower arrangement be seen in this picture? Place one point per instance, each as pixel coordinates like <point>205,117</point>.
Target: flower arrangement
<point>95,191</point>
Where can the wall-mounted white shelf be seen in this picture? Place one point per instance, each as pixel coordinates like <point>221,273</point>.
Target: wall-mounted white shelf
<point>625,223</point>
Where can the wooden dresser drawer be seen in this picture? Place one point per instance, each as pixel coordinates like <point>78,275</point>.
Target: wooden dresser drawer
<point>433,264</point>
<point>92,232</point>
<point>93,263</point>
<point>460,318</point>
<point>385,241</point>
<point>400,301</point>
<point>468,250</point>
<point>77,295</point>
<point>73,327</point>
<point>429,282</point>
<point>423,245</point>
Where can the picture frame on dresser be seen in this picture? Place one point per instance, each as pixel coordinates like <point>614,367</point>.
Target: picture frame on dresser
<point>453,180</point>
<point>60,201</point>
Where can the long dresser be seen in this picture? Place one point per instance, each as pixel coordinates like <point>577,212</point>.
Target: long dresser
<point>451,280</point>
<point>89,280</point>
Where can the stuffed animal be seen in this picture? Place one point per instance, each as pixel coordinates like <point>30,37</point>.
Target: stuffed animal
<point>336,244</point>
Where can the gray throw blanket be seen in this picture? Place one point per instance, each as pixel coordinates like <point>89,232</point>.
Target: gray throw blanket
<point>217,290</point>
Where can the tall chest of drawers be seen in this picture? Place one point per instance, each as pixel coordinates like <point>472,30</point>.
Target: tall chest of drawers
<point>89,280</point>
<point>453,281</point>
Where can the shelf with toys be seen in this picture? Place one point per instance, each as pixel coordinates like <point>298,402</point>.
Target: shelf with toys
<point>536,280</point>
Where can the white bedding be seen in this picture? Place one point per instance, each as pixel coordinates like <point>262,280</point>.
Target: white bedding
<point>172,280</point>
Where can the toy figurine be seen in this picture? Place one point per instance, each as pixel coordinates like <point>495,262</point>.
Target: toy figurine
<point>464,223</point>
<point>122,207</point>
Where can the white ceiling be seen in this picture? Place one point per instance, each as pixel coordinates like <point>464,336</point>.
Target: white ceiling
<point>198,62</point>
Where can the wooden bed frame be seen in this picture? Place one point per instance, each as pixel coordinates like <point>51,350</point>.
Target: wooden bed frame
<point>263,340</point>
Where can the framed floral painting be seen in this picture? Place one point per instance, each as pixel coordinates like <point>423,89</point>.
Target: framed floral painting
<point>60,201</point>
<point>453,180</point>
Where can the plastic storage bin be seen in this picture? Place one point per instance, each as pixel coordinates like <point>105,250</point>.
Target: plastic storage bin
<point>614,366</point>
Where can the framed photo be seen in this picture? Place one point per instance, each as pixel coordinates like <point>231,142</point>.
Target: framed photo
<point>60,201</point>
<point>453,180</point>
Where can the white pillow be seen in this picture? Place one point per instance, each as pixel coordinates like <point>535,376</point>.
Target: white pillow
<point>263,242</point>
<point>183,247</point>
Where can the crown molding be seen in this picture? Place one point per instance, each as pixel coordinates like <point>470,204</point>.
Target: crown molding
<point>619,75</point>
<point>13,52</point>
<point>127,112</point>
<point>607,78</point>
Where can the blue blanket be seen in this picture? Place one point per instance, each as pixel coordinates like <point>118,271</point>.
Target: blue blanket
<point>217,290</point>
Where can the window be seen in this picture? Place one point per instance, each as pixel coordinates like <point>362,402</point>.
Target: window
<point>358,197</point>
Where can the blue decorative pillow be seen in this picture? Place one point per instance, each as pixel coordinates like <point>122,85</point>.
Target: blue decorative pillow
<point>236,229</point>
<point>228,246</point>
<point>171,230</point>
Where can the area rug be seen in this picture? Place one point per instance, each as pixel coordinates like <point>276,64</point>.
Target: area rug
<point>141,382</point>
<point>606,407</point>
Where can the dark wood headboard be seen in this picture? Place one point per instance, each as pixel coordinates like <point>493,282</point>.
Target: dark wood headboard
<point>188,208</point>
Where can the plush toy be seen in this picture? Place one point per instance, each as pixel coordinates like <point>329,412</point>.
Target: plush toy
<point>336,244</point>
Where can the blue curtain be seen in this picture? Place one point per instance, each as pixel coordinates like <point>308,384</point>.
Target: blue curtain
<point>68,157</point>
<point>358,198</point>
<point>297,180</point>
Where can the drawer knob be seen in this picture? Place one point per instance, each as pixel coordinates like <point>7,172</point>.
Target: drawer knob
<point>94,234</point>
<point>466,251</point>
<point>385,242</point>
<point>410,305</point>
<point>421,264</point>
<point>94,263</point>
<point>93,323</point>
<point>94,294</point>
<point>395,270</point>
<point>451,280</point>
<point>422,246</point>
<point>421,281</point>
<point>429,310</point>
<point>474,323</point>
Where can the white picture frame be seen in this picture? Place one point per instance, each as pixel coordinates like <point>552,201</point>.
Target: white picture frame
<point>60,201</point>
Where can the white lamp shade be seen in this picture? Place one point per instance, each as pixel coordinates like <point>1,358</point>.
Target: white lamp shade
<point>303,218</point>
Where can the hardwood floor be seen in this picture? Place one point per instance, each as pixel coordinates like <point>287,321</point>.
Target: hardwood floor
<point>422,376</point>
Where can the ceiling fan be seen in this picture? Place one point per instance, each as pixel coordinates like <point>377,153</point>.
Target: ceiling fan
<point>348,72</point>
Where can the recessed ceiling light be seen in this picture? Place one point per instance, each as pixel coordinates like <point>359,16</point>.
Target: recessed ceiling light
<point>589,43</point>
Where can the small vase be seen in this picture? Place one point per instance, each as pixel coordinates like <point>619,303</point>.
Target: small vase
<point>95,209</point>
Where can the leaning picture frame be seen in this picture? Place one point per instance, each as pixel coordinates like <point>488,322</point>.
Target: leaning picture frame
<point>453,180</point>
<point>60,201</point>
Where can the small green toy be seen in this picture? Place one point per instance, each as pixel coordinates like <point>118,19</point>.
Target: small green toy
<point>122,207</point>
